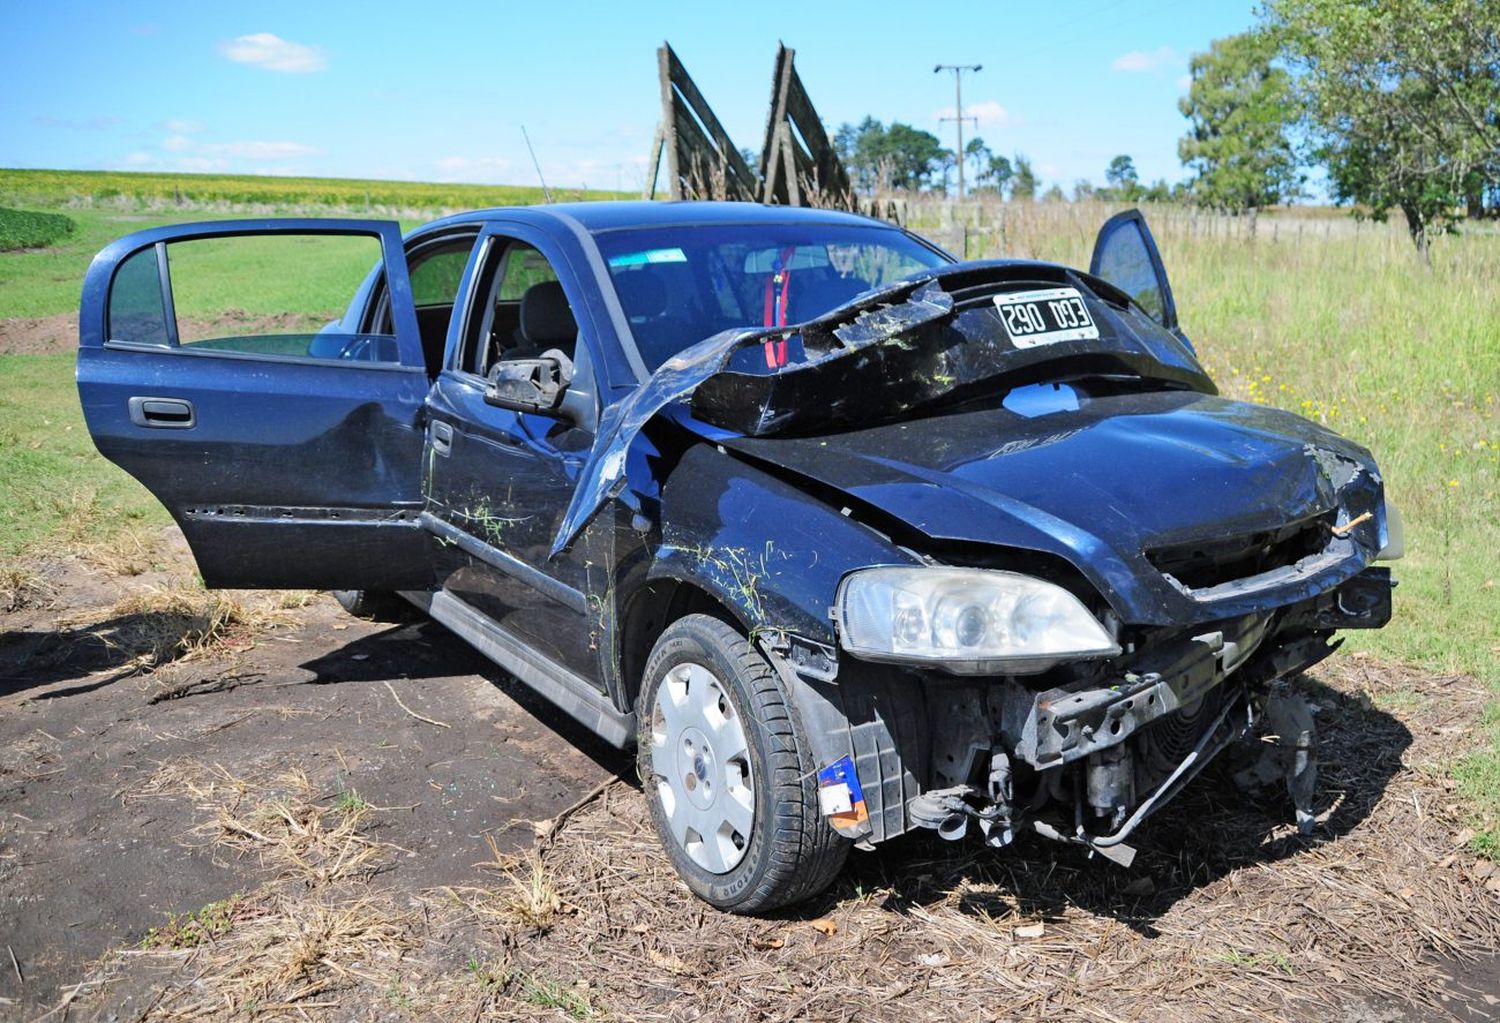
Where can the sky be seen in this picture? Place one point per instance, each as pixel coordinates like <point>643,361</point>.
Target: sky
<point>440,91</point>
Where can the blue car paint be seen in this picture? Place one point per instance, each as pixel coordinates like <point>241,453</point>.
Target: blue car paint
<point>324,451</point>
<point>316,473</point>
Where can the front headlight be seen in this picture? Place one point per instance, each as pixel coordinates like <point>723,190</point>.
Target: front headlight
<point>970,621</point>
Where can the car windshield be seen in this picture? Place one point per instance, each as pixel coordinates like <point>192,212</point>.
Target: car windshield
<point>679,285</point>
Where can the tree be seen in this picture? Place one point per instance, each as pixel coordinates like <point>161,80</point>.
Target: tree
<point>1024,182</point>
<point>880,158</point>
<point>1054,194</point>
<point>1158,191</point>
<point>916,156</point>
<point>978,154</point>
<point>1401,101</point>
<point>998,174</point>
<point>1240,109</point>
<point>1124,182</point>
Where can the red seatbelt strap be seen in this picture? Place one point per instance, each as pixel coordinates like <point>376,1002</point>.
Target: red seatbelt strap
<point>777,287</point>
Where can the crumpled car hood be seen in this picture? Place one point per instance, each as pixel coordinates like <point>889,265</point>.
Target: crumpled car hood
<point>1102,484</point>
<point>887,351</point>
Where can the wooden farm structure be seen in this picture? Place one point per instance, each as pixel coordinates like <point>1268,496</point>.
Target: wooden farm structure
<point>798,165</point>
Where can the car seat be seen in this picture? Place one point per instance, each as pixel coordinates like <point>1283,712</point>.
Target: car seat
<point>546,323</point>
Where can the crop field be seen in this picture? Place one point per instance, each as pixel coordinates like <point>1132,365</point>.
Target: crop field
<point>344,852</point>
<point>128,190</point>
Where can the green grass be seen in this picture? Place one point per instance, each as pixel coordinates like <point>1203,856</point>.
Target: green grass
<point>23,229</point>
<point>1478,776</point>
<point>153,191</point>
<point>53,485</point>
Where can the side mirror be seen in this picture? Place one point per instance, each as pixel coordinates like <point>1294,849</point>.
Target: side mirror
<point>530,385</point>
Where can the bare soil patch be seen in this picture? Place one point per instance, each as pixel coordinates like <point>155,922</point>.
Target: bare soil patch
<point>39,335</point>
<point>50,335</point>
<point>305,816</point>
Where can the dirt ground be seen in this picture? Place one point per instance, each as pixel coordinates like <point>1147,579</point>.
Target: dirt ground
<point>49,335</point>
<point>257,807</point>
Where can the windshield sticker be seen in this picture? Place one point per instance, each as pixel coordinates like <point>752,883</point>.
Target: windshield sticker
<point>1045,316</point>
<point>649,256</point>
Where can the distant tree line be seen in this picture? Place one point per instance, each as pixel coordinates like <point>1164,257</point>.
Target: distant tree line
<point>1397,101</point>
<point>883,158</point>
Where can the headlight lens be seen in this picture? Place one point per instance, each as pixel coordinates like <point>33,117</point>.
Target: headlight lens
<point>967,620</point>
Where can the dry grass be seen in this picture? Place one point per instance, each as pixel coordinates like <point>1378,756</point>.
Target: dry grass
<point>180,621</point>
<point>1227,915</point>
<point>285,954</point>
<point>285,824</point>
<point>22,588</point>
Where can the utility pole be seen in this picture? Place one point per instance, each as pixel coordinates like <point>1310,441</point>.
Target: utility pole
<point>958,111</point>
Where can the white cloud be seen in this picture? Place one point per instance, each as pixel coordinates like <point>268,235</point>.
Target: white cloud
<point>1138,61</point>
<point>178,127</point>
<point>273,53</point>
<point>176,143</point>
<point>987,111</point>
<point>139,158</point>
<point>1185,82</point>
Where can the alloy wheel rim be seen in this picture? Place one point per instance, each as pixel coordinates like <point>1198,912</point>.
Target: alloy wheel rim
<point>700,760</point>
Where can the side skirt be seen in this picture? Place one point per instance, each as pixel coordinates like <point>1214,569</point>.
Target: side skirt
<point>571,693</point>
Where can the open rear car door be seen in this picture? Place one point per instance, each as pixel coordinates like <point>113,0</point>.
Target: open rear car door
<point>289,453</point>
<point>1125,255</point>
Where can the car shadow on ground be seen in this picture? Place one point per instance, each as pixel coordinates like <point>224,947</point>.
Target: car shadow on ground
<point>1210,830</point>
<point>422,648</point>
<point>34,658</point>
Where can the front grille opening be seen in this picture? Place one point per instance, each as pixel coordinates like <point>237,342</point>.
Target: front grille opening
<point>1212,562</point>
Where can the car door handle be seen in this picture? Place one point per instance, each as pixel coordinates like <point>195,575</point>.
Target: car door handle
<point>163,413</point>
<point>442,437</point>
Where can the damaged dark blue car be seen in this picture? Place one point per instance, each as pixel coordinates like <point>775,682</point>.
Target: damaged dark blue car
<point>847,537</point>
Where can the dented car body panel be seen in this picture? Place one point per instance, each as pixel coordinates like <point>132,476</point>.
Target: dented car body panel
<point>921,423</point>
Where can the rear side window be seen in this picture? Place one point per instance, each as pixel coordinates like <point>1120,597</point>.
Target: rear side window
<point>278,295</point>
<point>136,310</point>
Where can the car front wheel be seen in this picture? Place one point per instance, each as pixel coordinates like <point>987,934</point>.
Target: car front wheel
<point>727,774</point>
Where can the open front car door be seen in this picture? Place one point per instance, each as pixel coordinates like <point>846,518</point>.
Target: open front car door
<point>1126,256</point>
<point>216,365</point>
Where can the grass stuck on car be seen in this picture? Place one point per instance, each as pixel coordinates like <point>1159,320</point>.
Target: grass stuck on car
<point>847,537</point>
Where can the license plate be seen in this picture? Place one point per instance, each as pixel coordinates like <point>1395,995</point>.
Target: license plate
<point>1045,317</point>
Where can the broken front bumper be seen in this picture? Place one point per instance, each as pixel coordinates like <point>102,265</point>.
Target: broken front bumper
<point>1084,763</point>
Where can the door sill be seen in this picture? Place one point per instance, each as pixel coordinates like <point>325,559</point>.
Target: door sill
<point>569,691</point>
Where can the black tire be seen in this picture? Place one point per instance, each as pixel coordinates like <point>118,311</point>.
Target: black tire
<point>792,853</point>
<point>376,605</point>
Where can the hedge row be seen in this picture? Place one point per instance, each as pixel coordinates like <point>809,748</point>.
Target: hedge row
<point>22,229</point>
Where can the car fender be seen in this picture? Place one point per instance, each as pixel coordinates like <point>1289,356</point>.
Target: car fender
<point>769,552</point>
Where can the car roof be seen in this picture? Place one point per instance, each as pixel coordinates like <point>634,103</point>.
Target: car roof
<point>610,215</point>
